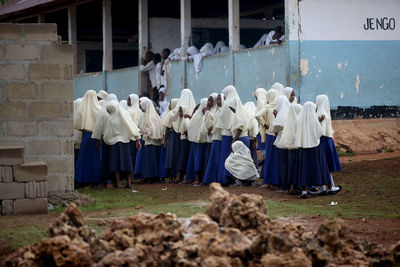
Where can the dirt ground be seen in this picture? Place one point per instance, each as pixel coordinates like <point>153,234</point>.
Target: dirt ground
<point>383,230</point>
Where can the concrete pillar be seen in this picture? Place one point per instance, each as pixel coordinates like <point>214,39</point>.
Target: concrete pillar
<point>107,36</point>
<point>234,24</point>
<point>186,35</point>
<point>143,42</point>
<point>72,34</point>
<point>41,18</point>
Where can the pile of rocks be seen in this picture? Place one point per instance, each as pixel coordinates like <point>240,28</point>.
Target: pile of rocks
<point>235,231</point>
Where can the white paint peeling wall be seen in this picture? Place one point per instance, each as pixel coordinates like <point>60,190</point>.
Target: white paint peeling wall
<point>345,19</point>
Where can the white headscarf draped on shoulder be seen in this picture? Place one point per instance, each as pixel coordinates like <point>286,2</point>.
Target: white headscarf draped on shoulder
<point>278,86</point>
<point>102,118</point>
<point>120,127</point>
<point>166,118</point>
<point>288,136</point>
<point>150,122</point>
<point>241,117</point>
<point>134,109</point>
<point>88,111</point>
<point>282,107</point>
<point>240,163</point>
<point>194,129</point>
<point>252,125</point>
<point>323,108</point>
<point>287,91</point>
<point>308,128</point>
<point>186,101</point>
<point>226,116</point>
<point>261,95</point>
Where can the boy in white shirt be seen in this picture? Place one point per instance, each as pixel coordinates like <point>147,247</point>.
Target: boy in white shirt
<point>149,67</point>
<point>165,59</point>
<point>273,37</point>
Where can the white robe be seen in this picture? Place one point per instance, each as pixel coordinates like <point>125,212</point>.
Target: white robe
<point>323,108</point>
<point>150,123</point>
<point>240,163</point>
<point>308,128</point>
<point>88,110</point>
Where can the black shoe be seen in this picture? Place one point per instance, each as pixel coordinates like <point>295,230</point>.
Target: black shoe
<point>303,196</point>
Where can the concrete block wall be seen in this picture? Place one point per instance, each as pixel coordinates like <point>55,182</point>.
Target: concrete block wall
<point>36,99</point>
<point>23,186</point>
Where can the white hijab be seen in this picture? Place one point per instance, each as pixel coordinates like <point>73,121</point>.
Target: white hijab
<point>166,118</point>
<point>192,51</point>
<point>150,122</point>
<point>175,55</point>
<point>124,104</point>
<point>241,116</point>
<point>252,125</point>
<point>218,46</point>
<point>240,163</point>
<point>226,116</point>
<point>102,118</point>
<point>88,111</point>
<point>282,107</point>
<point>278,86</point>
<point>77,134</point>
<point>288,136</point>
<point>194,129</point>
<point>102,94</point>
<point>308,128</point>
<point>209,115</point>
<point>205,51</point>
<point>323,108</point>
<point>134,109</point>
<point>186,101</point>
<point>120,127</point>
<point>287,91</point>
<point>261,95</point>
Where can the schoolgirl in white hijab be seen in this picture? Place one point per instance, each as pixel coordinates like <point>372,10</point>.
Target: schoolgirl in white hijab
<point>163,102</point>
<point>198,146</point>
<point>326,142</point>
<point>77,134</point>
<point>180,118</point>
<point>261,97</point>
<point>192,50</point>
<point>253,130</point>
<point>266,117</point>
<point>224,124</point>
<point>240,164</point>
<point>102,95</point>
<point>279,87</point>
<point>170,144</point>
<point>151,130</point>
<point>88,163</point>
<point>218,46</point>
<point>133,108</point>
<point>209,127</point>
<point>120,130</point>
<point>124,104</point>
<point>312,169</point>
<point>205,51</point>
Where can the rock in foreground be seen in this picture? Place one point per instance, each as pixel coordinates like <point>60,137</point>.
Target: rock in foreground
<point>235,231</point>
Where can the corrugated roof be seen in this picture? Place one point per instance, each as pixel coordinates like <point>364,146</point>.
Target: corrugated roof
<point>19,5</point>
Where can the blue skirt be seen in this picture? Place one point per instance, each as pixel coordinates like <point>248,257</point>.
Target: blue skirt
<point>207,157</point>
<point>172,152</point>
<point>292,156</point>
<point>163,170</point>
<point>151,161</point>
<point>197,157</point>
<point>104,161</point>
<point>283,167</point>
<point>139,161</point>
<point>271,173</point>
<point>211,173</point>
<point>88,164</point>
<point>260,145</point>
<point>119,158</point>
<point>224,177</point>
<point>311,168</point>
<point>328,148</point>
<point>183,155</point>
<point>133,150</point>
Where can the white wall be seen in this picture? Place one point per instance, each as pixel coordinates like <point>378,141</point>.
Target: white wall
<point>165,32</point>
<point>345,19</point>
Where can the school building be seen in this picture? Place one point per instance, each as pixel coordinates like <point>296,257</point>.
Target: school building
<point>347,49</point>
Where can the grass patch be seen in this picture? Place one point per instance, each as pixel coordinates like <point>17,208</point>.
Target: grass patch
<point>23,235</point>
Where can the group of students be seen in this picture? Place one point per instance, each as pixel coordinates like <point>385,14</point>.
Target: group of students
<point>215,140</point>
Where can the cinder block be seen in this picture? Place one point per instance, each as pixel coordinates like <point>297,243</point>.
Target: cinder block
<point>32,171</point>
<point>30,190</point>
<point>53,128</point>
<point>57,54</point>
<point>7,207</point>
<point>44,71</point>
<point>11,110</point>
<point>41,189</point>
<point>48,147</point>
<point>6,174</point>
<point>2,51</point>
<point>11,155</point>
<point>21,52</point>
<point>67,109</point>
<point>67,71</point>
<point>21,90</point>
<point>57,90</point>
<point>12,191</point>
<point>22,128</point>
<point>60,165</point>
<point>45,110</point>
<point>41,32</point>
<point>10,31</point>
<point>12,72</point>
<point>30,206</point>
